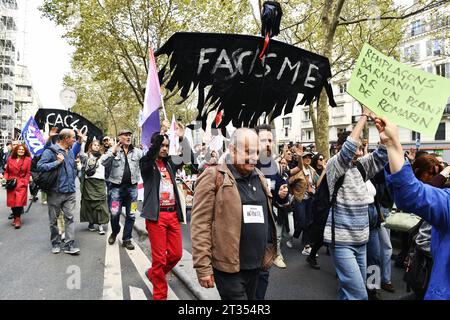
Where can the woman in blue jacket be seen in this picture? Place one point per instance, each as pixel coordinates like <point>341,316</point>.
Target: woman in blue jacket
<point>432,204</point>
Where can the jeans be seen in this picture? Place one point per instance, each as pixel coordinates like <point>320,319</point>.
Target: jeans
<point>64,202</point>
<point>350,264</point>
<point>385,250</point>
<point>108,192</point>
<point>373,246</point>
<point>279,229</point>
<point>302,219</point>
<point>263,283</point>
<point>123,196</point>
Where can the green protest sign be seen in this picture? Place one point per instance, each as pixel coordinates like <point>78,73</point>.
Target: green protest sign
<point>407,96</point>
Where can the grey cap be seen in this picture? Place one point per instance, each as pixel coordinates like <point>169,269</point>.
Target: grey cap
<point>124,131</point>
<point>307,153</point>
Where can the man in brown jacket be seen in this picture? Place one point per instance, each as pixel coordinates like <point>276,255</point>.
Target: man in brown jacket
<point>232,226</point>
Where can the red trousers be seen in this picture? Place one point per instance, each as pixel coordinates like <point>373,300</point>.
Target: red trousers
<point>166,245</point>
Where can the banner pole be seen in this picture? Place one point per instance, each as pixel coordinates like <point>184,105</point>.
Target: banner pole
<point>164,108</point>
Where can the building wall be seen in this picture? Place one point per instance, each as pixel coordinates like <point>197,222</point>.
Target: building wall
<point>26,99</point>
<point>8,31</point>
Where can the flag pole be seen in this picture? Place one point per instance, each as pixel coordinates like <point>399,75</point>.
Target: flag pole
<point>163,107</point>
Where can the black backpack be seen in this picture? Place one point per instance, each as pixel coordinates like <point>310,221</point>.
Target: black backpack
<point>321,205</point>
<point>42,180</point>
<point>418,266</point>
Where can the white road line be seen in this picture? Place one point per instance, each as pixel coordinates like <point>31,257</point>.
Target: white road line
<point>137,294</point>
<point>112,280</point>
<point>142,263</point>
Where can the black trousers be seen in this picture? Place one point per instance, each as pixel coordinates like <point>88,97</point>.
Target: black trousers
<point>17,211</point>
<point>237,286</point>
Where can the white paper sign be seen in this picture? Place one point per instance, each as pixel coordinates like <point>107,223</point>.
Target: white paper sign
<point>253,214</point>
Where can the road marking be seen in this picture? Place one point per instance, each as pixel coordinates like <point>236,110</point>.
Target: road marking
<point>137,294</point>
<point>112,280</point>
<point>142,263</point>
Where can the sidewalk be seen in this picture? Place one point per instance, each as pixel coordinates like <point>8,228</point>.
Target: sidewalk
<point>184,270</point>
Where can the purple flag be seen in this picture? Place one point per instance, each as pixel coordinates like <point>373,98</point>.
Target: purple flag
<point>33,137</point>
<point>149,117</point>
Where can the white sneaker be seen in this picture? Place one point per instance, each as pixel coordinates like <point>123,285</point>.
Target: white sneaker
<point>279,262</point>
<point>289,244</point>
<point>306,251</point>
<point>101,230</point>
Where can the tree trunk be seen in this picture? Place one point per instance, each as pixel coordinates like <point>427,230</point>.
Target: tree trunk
<point>330,19</point>
<point>322,130</point>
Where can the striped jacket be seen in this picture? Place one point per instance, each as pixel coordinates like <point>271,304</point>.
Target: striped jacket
<point>351,210</point>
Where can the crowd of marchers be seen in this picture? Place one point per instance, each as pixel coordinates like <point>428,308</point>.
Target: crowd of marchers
<point>250,204</point>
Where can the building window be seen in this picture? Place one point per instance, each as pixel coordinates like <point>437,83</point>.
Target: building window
<point>286,132</point>
<point>415,135</point>
<point>287,122</point>
<point>339,109</point>
<point>443,70</point>
<point>416,28</point>
<point>306,116</point>
<point>411,53</point>
<point>440,133</point>
<point>307,135</point>
<point>434,48</point>
<point>343,87</point>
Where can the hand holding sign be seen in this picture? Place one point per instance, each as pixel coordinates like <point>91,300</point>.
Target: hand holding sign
<point>388,131</point>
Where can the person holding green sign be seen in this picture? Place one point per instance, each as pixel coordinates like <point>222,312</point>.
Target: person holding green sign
<point>347,227</point>
<point>432,204</point>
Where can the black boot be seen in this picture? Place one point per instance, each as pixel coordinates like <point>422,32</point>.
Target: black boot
<point>374,294</point>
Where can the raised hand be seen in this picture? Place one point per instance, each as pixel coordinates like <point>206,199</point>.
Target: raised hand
<point>165,125</point>
<point>116,148</point>
<point>283,192</point>
<point>388,131</point>
<point>180,130</point>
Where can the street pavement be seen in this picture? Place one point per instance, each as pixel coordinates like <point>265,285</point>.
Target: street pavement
<point>300,282</point>
<point>29,271</point>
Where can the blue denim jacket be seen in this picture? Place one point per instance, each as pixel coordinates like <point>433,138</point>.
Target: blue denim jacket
<point>67,169</point>
<point>433,205</point>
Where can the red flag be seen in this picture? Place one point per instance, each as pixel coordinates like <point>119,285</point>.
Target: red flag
<point>219,116</point>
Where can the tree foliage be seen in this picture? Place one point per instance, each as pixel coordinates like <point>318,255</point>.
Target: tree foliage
<point>111,40</point>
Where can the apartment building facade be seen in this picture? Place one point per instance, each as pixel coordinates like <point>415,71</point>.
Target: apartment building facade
<point>8,32</point>
<point>26,100</point>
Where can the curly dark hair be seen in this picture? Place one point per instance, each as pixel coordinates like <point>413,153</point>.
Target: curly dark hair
<point>14,152</point>
<point>156,142</point>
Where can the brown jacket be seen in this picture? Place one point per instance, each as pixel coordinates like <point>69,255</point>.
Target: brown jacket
<point>298,185</point>
<point>216,223</point>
